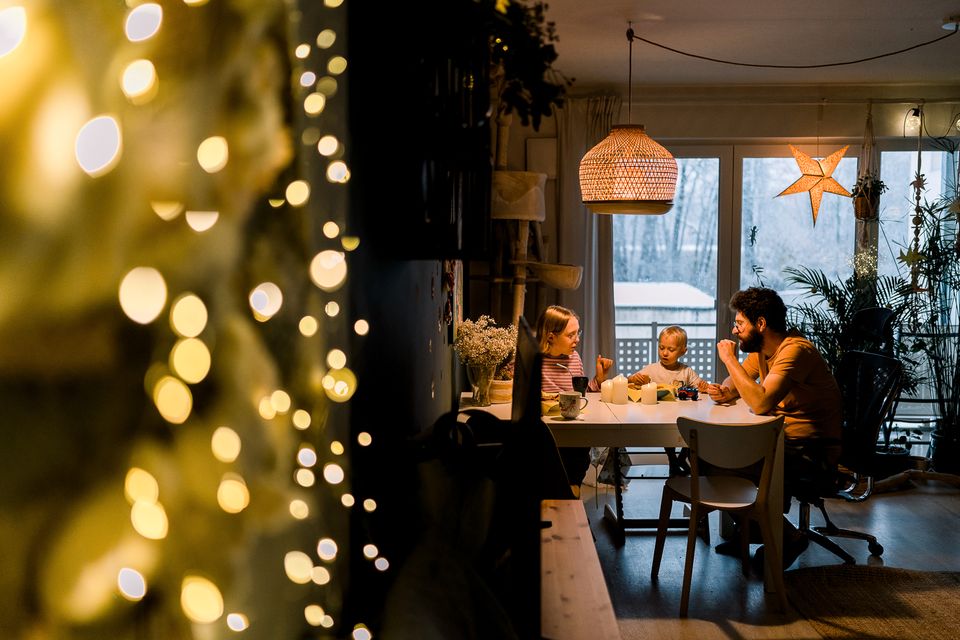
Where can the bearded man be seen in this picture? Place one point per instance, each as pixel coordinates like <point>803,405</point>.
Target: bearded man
<point>783,374</point>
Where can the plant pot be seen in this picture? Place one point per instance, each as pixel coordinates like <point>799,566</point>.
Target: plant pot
<point>890,460</point>
<point>866,208</point>
<point>945,449</point>
<point>501,391</point>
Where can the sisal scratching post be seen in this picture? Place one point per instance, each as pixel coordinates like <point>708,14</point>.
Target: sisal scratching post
<point>518,195</point>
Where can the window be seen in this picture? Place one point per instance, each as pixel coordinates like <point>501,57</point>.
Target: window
<point>778,232</point>
<point>665,270</point>
<point>898,170</point>
<point>728,230</point>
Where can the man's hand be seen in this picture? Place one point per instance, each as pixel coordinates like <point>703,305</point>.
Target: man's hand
<point>721,394</point>
<point>727,351</point>
<point>638,378</point>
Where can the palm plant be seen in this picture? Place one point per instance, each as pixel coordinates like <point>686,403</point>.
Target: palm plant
<point>827,320</point>
<point>827,315</point>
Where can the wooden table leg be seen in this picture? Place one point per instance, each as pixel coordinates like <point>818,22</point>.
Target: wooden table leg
<point>617,520</point>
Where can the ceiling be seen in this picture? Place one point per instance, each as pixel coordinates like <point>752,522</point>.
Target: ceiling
<point>593,47</point>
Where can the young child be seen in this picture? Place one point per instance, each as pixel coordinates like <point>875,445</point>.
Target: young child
<point>558,331</point>
<point>669,370</point>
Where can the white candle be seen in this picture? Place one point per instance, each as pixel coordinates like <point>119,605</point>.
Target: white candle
<point>620,390</point>
<point>648,393</point>
<point>606,391</point>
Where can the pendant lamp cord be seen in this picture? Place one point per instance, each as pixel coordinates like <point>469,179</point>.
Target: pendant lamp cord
<point>956,27</point>
<point>630,72</point>
<point>819,121</point>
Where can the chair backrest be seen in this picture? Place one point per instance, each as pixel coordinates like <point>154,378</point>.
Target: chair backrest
<point>732,446</point>
<point>872,329</point>
<point>527,381</point>
<point>869,384</point>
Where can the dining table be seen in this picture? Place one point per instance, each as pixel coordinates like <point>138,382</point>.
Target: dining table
<point>638,425</point>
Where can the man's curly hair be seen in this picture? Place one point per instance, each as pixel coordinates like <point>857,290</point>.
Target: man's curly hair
<point>755,302</point>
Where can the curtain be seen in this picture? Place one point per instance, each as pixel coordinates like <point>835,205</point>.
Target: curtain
<point>584,238</point>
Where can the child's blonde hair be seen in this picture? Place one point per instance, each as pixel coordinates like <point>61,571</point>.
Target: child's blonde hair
<point>674,331</point>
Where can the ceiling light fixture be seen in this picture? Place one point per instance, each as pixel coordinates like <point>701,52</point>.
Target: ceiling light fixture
<point>628,171</point>
<point>912,120</point>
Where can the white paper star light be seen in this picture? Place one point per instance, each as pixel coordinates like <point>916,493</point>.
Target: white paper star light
<point>816,178</point>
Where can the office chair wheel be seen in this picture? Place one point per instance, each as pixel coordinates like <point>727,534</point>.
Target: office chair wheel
<point>876,549</point>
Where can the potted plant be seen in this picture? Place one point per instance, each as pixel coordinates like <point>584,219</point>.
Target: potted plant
<point>933,319</point>
<point>826,314</point>
<point>522,56</point>
<point>484,347</point>
<point>866,196</point>
<point>501,389</point>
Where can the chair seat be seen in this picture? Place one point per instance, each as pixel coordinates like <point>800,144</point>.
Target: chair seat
<point>719,492</point>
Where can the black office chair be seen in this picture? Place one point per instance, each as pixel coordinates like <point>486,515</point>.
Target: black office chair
<point>869,384</point>
<point>871,329</point>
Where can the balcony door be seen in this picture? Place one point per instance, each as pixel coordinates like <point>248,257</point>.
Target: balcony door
<point>666,267</point>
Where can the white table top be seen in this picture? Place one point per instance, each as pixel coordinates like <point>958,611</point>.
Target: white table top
<point>595,413</point>
<point>638,425</point>
<point>632,424</point>
<point>665,413</point>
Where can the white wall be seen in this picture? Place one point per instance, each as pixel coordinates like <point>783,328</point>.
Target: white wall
<point>770,112</point>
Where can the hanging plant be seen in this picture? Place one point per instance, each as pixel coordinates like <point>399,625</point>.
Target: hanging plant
<point>866,196</point>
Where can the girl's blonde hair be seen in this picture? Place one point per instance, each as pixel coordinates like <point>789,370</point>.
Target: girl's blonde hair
<point>554,319</point>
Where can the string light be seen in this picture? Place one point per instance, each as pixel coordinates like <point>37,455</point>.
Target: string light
<point>13,27</point>
<point>201,452</point>
<point>911,121</point>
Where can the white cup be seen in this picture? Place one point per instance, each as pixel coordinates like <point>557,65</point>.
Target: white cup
<point>570,406</point>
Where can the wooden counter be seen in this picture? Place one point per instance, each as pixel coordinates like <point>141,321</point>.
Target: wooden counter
<point>574,600</point>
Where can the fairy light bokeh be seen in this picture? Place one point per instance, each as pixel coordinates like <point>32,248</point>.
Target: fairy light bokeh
<point>193,212</point>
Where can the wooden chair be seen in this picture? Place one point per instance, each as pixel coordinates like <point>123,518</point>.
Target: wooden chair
<point>724,447</point>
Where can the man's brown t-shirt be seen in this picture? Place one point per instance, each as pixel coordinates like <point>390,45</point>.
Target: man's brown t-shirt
<point>813,406</point>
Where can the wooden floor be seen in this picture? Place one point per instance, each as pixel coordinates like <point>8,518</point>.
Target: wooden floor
<point>917,527</point>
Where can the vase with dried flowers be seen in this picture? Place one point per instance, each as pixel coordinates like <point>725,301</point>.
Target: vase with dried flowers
<point>484,348</point>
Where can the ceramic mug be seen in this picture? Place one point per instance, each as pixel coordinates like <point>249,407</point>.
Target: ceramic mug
<point>570,406</point>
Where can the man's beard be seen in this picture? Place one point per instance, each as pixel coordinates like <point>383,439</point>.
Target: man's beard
<point>751,343</point>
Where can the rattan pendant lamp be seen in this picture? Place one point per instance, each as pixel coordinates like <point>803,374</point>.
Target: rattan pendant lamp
<point>628,171</point>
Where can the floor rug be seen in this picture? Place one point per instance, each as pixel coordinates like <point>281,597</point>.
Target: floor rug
<point>873,602</point>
